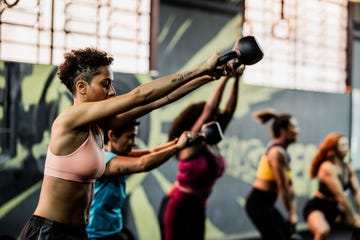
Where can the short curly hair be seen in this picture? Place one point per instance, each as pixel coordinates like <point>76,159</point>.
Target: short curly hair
<point>82,63</point>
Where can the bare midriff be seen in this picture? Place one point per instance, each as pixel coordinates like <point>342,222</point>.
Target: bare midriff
<point>65,201</point>
<point>192,191</point>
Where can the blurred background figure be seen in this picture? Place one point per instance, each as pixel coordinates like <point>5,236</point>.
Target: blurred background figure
<point>273,178</point>
<point>106,218</point>
<point>330,204</point>
<point>182,212</point>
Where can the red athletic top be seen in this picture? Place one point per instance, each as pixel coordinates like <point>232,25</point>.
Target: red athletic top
<point>200,171</point>
<point>85,164</point>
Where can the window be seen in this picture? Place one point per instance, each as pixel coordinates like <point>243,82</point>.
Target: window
<point>304,43</point>
<point>40,31</point>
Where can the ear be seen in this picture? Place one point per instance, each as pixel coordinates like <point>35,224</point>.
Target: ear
<point>81,86</point>
<point>111,136</point>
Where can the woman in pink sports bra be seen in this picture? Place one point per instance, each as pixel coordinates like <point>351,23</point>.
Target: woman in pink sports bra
<point>183,209</point>
<point>75,155</point>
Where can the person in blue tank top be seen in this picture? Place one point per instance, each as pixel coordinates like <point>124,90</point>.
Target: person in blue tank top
<point>106,219</point>
<point>330,204</point>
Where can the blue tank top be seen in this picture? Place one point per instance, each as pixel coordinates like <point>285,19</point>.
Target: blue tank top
<point>105,216</point>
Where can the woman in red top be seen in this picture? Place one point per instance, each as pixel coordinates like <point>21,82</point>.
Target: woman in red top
<point>183,208</point>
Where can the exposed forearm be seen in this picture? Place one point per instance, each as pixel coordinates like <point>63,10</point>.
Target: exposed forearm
<point>155,159</point>
<point>355,187</point>
<point>233,98</point>
<point>188,87</point>
<point>288,199</point>
<point>357,199</point>
<point>163,146</point>
<point>214,101</point>
<point>287,194</point>
<point>142,152</point>
<point>230,106</point>
<point>171,97</point>
<point>138,152</point>
<point>346,207</point>
<point>161,87</point>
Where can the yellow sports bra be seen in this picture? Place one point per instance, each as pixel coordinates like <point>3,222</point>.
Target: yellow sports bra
<point>264,170</point>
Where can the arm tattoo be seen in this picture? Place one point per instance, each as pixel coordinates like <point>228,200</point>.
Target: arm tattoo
<point>182,77</point>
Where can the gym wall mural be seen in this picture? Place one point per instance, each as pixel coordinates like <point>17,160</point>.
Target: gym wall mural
<point>36,97</point>
<point>31,96</point>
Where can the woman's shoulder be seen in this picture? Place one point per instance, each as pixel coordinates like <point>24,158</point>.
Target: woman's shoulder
<point>327,167</point>
<point>276,150</point>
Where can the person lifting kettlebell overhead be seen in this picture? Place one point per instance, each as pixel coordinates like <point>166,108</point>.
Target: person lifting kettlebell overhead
<point>77,134</point>
<point>182,211</point>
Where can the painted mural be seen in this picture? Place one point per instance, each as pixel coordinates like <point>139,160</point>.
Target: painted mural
<point>36,97</point>
<point>31,97</point>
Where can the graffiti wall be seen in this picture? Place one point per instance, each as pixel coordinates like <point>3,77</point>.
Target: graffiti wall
<point>31,97</point>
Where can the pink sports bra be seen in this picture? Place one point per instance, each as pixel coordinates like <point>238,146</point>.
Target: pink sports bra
<point>85,164</point>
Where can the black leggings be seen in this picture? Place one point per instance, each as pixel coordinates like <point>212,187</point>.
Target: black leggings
<point>266,218</point>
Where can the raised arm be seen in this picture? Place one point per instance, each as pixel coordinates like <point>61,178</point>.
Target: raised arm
<point>171,97</point>
<point>90,111</point>
<point>126,165</point>
<point>211,107</point>
<point>209,113</point>
<point>141,152</point>
<point>231,104</point>
<point>278,162</point>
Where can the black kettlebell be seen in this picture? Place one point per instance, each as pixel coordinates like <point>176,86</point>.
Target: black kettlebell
<point>212,133</point>
<point>247,52</point>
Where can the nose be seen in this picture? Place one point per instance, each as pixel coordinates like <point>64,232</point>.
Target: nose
<point>297,130</point>
<point>112,91</point>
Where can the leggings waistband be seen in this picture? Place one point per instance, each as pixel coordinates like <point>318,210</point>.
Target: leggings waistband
<point>48,222</point>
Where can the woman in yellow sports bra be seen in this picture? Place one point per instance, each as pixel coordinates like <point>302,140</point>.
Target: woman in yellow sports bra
<point>273,178</point>
<point>75,156</point>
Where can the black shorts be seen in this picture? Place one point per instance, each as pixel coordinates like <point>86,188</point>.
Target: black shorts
<point>42,228</point>
<point>328,208</point>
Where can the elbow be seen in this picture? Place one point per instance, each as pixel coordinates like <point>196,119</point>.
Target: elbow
<point>144,166</point>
